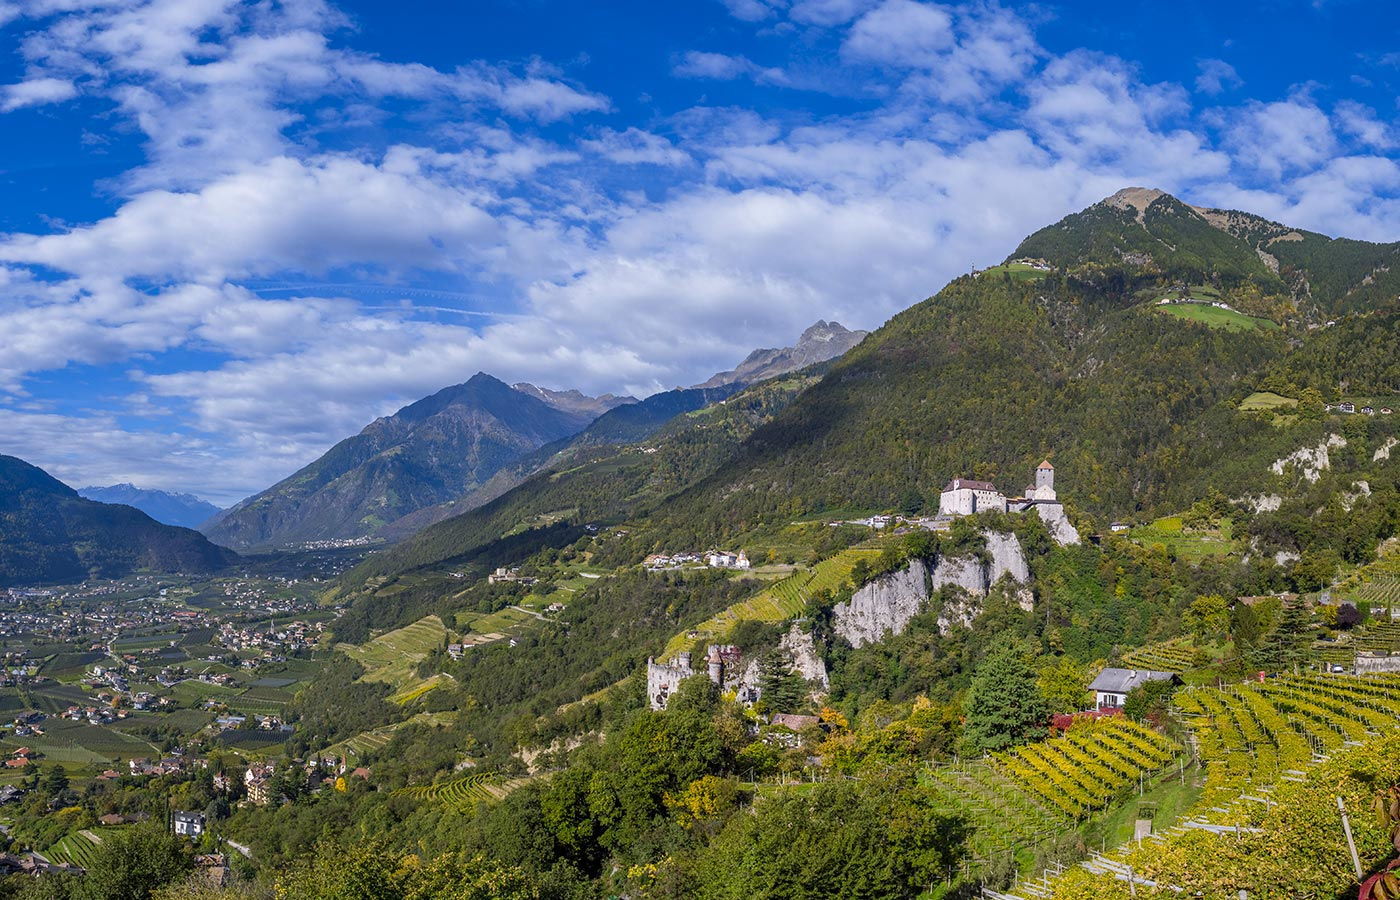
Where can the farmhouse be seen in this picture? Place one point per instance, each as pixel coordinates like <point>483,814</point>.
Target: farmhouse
<point>189,824</point>
<point>1111,688</point>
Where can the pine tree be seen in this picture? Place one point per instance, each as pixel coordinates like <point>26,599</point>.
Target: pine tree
<point>1287,643</point>
<point>1004,705</point>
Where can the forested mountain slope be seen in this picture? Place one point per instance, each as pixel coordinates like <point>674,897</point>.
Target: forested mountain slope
<point>429,452</point>
<point>1267,267</point>
<point>50,534</point>
<point>1138,408</point>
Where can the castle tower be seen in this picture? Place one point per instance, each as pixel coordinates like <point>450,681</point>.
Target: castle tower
<point>716,665</point>
<point>1045,481</point>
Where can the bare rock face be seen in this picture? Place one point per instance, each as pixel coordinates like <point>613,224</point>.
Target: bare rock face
<point>1053,515</point>
<point>883,607</point>
<point>805,659</point>
<point>1310,462</point>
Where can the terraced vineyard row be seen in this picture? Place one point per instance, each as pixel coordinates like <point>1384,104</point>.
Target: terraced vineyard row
<point>76,849</point>
<point>1383,637</point>
<point>465,793</point>
<point>1258,742</point>
<point>1087,768</point>
<point>1170,656</point>
<point>1020,798</point>
<point>780,600</point>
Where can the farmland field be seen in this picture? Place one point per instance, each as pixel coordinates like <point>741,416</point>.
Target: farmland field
<point>393,656</point>
<point>1216,318</point>
<point>1192,546</point>
<point>1266,400</point>
<point>78,743</point>
<point>1017,271</point>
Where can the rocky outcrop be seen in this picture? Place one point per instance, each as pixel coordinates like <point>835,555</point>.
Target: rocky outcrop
<point>1359,489</point>
<point>1310,462</point>
<point>883,607</point>
<point>1053,515</point>
<point>806,661</point>
<point>1262,502</point>
<point>1383,451</point>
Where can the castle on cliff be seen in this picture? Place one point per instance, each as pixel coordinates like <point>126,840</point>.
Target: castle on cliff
<point>964,497</point>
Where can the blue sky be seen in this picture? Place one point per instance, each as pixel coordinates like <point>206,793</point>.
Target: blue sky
<point>235,233</point>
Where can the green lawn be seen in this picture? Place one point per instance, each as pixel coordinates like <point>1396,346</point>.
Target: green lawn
<point>1017,271</point>
<point>1193,545</point>
<point>1215,317</point>
<point>1266,400</point>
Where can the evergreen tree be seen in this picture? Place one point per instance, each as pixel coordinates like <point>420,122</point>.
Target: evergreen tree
<point>1287,643</point>
<point>1004,705</point>
<point>779,687</point>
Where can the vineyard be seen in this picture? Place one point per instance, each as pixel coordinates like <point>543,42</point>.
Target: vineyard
<point>1040,790</point>
<point>1169,656</point>
<point>780,600</point>
<point>393,657</point>
<point>1276,755</point>
<point>1382,638</point>
<point>76,849</point>
<point>466,793</point>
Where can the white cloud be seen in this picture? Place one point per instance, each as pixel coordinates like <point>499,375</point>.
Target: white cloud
<point>595,253</point>
<point>753,10</point>
<point>900,33</point>
<point>828,12</point>
<point>1216,76</point>
<point>36,92</point>
<point>1281,138</point>
<point>280,215</point>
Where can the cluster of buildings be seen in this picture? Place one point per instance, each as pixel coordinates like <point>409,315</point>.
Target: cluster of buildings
<point>1348,408</point>
<point>287,637</point>
<point>510,575</point>
<point>714,559</point>
<point>1169,301</point>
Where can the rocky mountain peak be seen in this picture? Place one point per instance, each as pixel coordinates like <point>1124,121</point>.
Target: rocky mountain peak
<point>820,342</point>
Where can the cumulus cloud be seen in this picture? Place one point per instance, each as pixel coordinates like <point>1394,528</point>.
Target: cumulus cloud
<point>1216,76</point>
<point>515,223</point>
<point>36,92</point>
<point>900,32</point>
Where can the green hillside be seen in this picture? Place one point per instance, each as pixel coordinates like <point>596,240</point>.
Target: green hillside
<point>50,534</point>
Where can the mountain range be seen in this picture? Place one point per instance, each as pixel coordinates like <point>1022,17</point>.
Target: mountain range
<point>48,533</point>
<point>466,445</point>
<point>428,452</point>
<point>184,510</point>
<point>1120,342</point>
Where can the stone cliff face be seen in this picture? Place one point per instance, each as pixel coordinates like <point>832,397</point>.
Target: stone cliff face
<point>806,661</point>
<point>884,606</point>
<point>1053,515</point>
